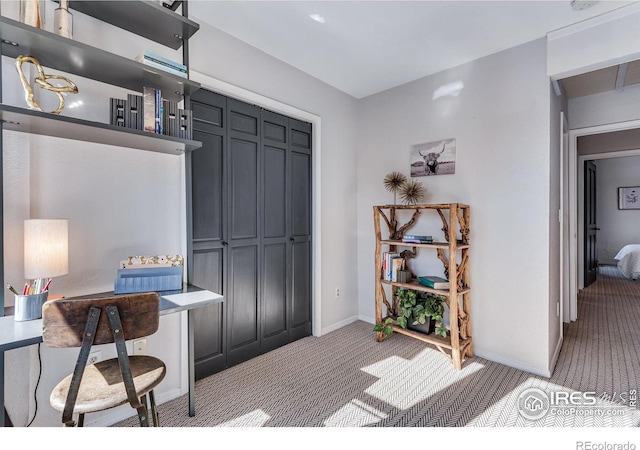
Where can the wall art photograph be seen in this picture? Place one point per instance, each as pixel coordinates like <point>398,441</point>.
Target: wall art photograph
<point>433,158</point>
<point>629,197</point>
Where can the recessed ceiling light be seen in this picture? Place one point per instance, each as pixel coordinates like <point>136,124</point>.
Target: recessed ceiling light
<point>317,17</point>
<point>579,5</point>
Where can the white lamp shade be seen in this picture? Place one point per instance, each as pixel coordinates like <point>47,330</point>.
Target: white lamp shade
<point>46,248</point>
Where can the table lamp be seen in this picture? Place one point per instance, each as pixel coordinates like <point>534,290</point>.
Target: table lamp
<point>46,255</point>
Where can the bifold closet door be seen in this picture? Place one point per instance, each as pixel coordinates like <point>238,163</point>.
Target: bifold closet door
<point>250,191</point>
<point>276,256</point>
<point>301,228</point>
<point>206,262</point>
<point>242,214</point>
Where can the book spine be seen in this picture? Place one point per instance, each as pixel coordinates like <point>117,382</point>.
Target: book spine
<point>148,109</point>
<point>158,111</point>
<point>165,68</point>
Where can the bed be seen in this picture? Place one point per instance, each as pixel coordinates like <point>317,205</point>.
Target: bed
<point>629,261</point>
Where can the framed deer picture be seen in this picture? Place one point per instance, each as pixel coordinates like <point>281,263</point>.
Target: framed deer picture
<point>433,158</point>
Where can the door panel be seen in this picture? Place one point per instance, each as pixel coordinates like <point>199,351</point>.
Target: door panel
<point>590,225</point>
<point>244,189</point>
<point>243,336</point>
<point>207,187</point>
<point>275,192</point>
<point>275,331</point>
<point>208,322</point>
<point>301,298</point>
<point>301,194</point>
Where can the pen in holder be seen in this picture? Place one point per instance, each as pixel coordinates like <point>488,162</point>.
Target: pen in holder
<point>29,307</point>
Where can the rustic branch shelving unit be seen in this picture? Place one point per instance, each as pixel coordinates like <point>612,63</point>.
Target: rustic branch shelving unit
<point>453,252</point>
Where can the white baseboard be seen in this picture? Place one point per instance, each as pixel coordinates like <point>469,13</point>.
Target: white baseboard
<point>511,363</point>
<point>367,319</point>
<point>556,354</point>
<point>340,324</point>
<point>115,415</point>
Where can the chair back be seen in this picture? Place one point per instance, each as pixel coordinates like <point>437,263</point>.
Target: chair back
<point>64,320</point>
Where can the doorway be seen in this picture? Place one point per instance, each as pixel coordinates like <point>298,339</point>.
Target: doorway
<point>574,186</point>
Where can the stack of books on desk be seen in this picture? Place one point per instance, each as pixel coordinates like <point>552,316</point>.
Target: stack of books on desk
<point>149,273</point>
<point>417,239</point>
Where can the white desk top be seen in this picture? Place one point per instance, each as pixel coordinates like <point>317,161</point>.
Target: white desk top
<point>15,334</point>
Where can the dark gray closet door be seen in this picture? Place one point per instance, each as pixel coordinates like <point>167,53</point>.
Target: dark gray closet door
<point>275,239</point>
<point>250,203</point>
<point>300,226</point>
<point>243,212</point>
<point>207,195</point>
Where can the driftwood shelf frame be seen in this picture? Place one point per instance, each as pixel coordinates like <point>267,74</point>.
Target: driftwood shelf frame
<point>453,253</point>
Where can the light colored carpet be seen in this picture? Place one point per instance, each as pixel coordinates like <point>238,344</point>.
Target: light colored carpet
<point>347,379</point>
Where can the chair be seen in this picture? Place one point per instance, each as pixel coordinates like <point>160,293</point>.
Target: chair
<point>113,382</point>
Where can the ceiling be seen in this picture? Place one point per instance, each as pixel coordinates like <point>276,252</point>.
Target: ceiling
<point>603,80</point>
<point>365,47</point>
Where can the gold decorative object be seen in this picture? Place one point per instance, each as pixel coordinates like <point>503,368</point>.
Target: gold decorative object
<point>41,80</point>
<point>394,181</point>
<point>412,192</point>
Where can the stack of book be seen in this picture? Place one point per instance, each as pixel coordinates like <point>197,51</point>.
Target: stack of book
<point>150,112</point>
<point>392,263</point>
<point>434,282</point>
<point>149,273</point>
<point>417,239</point>
<point>159,62</point>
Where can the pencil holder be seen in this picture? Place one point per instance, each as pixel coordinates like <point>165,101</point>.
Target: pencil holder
<point>29,307</point>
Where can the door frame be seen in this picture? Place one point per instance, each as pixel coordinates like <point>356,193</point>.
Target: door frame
<point>576,196</point>
<point>230,90</point>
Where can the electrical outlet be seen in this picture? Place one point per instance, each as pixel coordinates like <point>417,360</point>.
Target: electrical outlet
<point>94,357</point>
<point>337,292</point>
<point>140,347</point>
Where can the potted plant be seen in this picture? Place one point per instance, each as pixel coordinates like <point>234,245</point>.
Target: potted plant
<point>418,311</point>
<point>421,311</point>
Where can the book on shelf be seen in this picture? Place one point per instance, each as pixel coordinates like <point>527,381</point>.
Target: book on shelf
<point>417,239</point>
<point>159,109</point>
<point>396,266</point>
<point>164,68</point>
<point>434,282</point>
<point>152,110</point>
<point>147,56</point>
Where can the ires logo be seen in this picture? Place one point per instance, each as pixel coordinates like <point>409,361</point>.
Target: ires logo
<point>534,403</point>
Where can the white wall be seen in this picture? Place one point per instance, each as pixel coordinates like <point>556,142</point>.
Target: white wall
<point>227,59</point>
<point>617,227</point>
<point>500,121</point>
<point>123,202</point>
<point>592,44</point>
<point>555,137</point>
<point>605,108</point>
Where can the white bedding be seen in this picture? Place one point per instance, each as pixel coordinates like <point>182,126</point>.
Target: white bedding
<point>629,261</point>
